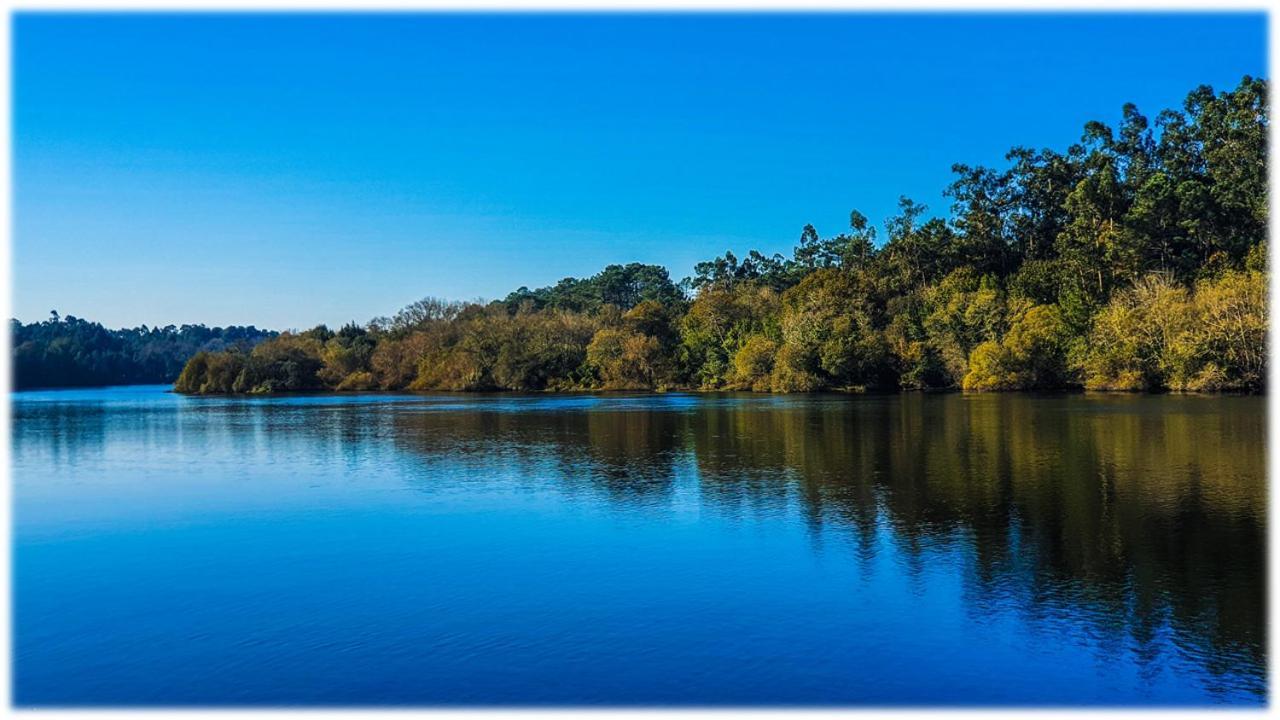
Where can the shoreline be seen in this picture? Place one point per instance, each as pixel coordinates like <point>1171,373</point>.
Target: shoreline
<point>673,391</point>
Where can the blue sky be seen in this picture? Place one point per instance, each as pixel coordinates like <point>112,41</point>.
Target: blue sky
<point>286,170</point>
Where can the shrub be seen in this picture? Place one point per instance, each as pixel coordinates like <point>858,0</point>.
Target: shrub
<point>753,364</point>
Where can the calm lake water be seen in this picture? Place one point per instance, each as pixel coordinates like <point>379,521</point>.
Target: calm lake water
<point>661,549</point>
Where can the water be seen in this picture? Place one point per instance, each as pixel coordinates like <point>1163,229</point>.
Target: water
<point>666,549</point>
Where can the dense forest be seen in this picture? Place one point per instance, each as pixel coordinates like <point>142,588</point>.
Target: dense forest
<point>71,352</point>
<point>1133,260</point>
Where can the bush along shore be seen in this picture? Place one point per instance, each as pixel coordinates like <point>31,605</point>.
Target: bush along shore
<point>1133,260</point>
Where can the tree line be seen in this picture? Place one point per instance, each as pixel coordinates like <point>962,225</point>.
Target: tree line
<point>1134,259</point>
<point>71,352</point>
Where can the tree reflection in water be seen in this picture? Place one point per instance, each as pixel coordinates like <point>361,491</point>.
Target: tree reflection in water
<point>1136,515</point>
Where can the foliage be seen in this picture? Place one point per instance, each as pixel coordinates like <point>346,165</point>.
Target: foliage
<point>1137,338</point>
<point>753,363</point>
<point>287,362</point>
<point>1134,259</point>
<point>1160,335</point>
<point>623,286</point>
<point>827,325</point>
<point>70,352</point>
<point>719,322</point>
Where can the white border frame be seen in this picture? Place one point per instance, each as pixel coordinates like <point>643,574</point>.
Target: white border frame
<point>613,6</point>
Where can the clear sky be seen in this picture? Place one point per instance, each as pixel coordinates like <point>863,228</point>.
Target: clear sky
<point>285,170</point>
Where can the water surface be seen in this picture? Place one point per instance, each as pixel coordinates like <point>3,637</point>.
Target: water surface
<point>660,549</point>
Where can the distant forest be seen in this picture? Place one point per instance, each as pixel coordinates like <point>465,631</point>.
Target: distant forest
<point>70,352</point>
<point>1133,260</point>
